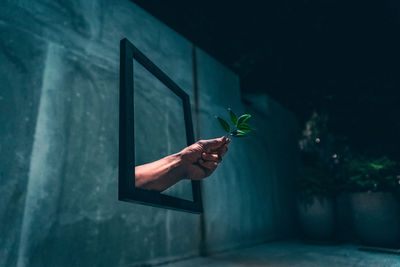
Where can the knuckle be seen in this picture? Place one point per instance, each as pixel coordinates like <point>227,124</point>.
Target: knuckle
<point>201,143</point>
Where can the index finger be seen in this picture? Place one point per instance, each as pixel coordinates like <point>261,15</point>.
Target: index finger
<point>214,144</point>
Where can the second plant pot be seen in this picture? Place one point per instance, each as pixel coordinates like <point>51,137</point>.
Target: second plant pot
<point>376,218</point>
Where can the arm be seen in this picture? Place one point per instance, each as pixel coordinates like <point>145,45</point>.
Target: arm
<point>195,162</point>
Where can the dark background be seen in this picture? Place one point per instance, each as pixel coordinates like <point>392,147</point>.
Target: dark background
<point>339,58</point>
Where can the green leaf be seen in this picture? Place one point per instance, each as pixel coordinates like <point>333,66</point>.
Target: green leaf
<point>238,133</point>
<point>244,127</point>
<point>241,133</point>
<point>234,119</point>
<point>225,126</point>
<point>243,118</point>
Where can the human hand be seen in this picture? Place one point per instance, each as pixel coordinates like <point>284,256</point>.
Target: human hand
<point>202,158</point>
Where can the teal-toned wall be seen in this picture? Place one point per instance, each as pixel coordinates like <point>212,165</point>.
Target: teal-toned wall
<point>59,82</point>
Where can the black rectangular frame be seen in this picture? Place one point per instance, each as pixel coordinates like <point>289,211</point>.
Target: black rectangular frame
<point>126,173</point>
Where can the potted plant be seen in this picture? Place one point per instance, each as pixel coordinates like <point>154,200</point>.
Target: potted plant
<point>316,183</point>
<point>316,202</point>
<point>374,182</point>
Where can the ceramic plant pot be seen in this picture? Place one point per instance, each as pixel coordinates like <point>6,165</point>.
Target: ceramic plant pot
<point>376,218</point>
<point>316,218</point>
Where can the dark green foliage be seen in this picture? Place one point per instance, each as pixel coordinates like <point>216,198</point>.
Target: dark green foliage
<point>240,127</point>
<point>372,174</point>
<point>243,118</point>
<point>233,117</point>
<point>316,180</point>
<point>224,125</point>
<point>238,133</point>
<point>244,127</point>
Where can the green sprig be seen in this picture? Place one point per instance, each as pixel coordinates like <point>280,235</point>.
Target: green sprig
<point>240,126</point>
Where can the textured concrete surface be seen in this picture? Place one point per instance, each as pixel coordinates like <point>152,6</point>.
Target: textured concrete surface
<point>59,166</point>
<point>21,82</point>
<point>59,85</point>
<point>249,198</point>
<point>294,254</point>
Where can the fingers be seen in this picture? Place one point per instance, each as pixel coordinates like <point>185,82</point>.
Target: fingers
<point>209,166</point>
<point>222,151</point>
<point>214,144</point>
<point>216,155</point>
<point>211,157</point>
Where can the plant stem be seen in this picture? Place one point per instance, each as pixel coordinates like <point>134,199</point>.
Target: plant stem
<point>229,134</point>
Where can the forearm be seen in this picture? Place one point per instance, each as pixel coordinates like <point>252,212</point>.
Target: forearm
<point>160,174</point>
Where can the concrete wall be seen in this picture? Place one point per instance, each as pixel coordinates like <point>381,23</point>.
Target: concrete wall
<point>59,76</point>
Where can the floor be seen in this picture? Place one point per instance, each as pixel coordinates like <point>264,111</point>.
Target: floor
<point>293,253</point>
